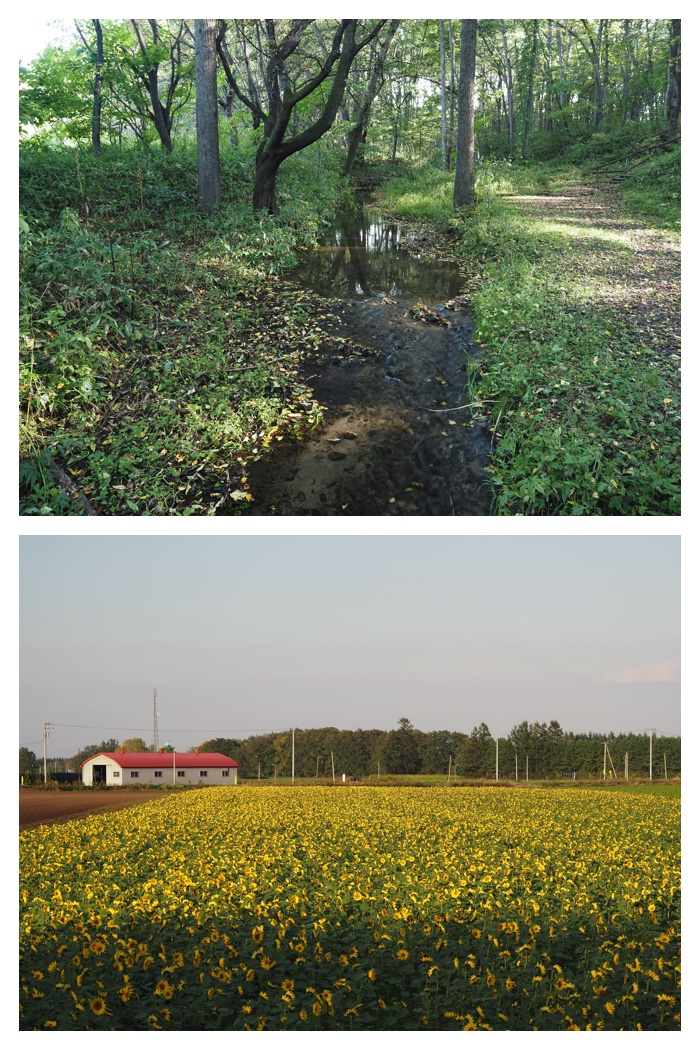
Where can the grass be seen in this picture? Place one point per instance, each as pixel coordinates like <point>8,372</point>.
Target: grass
<point>653,190</point>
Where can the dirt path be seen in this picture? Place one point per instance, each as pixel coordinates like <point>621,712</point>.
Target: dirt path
<point>37,806</point>
<point>644,285</point>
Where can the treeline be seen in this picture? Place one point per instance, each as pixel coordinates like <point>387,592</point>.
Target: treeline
<point>375,87</point>
<point>541,751</point>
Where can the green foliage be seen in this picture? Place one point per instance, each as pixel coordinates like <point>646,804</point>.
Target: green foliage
<point>422,193</point>
<point>134,743</point>
<point>401,752</point>
<point>55,94</point>
<point>409,752</point>
<point>158,356</point>
<point>653,189</point>
<point>28,761</point>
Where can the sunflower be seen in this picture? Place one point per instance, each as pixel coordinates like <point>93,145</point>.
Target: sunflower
<point>98,1006</point>
<point>402,954</point>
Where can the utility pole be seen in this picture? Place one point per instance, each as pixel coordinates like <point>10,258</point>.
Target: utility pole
<point>612,766</point>
<point>527,767</point>
<point>496,758</point>
<point>651,736</point>
<point>47,728</point>
<point>292,756</point>
<point>605,755</point>
<point>333,767</point>
<point>516,765</point>
<point>155,746</point>
<point>665,770</point>
<point>449,770</point>
<point>627,766</point>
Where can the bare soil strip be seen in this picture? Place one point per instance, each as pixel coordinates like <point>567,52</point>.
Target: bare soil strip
<point>37,806</point>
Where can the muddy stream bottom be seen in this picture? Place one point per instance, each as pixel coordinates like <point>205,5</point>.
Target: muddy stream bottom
<point>394,439</point>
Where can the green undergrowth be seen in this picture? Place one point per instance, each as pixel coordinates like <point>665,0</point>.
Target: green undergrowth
<point>159,349</point>
<point>653,189</point>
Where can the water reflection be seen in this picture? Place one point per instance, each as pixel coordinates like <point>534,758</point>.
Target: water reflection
<point>360,257</point>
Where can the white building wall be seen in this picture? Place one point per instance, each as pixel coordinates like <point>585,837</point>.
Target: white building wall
<point>113,772</point>
<point>116,776</point>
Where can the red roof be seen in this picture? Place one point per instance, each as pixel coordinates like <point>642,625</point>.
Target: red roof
<point>164,759</point>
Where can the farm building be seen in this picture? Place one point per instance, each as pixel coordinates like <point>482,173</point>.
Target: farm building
<point>117,768</point>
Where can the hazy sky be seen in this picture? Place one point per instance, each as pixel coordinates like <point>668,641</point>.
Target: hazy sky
<point>251,634</point>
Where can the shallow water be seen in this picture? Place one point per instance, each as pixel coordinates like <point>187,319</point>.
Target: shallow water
<point>363,255</point>
<point>396,437</point>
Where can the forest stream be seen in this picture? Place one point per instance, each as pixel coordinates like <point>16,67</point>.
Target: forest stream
<point>396,437</point>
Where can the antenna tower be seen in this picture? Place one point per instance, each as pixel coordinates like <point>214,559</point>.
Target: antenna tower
<point>155,746</point>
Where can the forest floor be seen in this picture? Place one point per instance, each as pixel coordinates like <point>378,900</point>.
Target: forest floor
<point>579,314</point>
<point>642,286</point>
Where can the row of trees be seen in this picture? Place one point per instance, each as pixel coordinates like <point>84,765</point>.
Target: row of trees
<point>543,751</point>
<point>507,87</point>
<point>540,751</point>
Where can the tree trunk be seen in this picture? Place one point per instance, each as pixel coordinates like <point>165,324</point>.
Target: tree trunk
<point>358,133</point>
<point>451,141</point>
<point>207,115</point>
<point>264,189</point>
<point>443,95</point>
<point>283,98</point>
<point>97,90</point>
<point>151,77</point>
<point>464,167</point>
<point>673,105</point>
<point>530,92</point>
<point>509,84</point>
<point>355,137</point>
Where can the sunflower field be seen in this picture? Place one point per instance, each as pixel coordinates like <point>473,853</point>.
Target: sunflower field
<point>321,908</point>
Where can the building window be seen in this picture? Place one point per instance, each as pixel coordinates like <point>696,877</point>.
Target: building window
<point>115,773</point>
<point>224,772</point>
<point>181,772</point>
<point>203,773</point>
<point>134,774</point>
<point>158,773</point>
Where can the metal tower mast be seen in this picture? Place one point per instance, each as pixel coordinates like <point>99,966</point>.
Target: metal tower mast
<point>155,746</point>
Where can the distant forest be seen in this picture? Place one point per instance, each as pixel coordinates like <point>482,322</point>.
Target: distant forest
<point>543,751</point>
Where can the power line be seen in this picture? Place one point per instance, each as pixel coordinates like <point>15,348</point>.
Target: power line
<point>197,729</point>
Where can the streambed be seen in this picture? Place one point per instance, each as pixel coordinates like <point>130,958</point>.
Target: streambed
<point>394,438</point>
